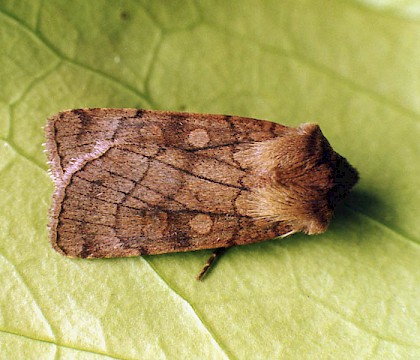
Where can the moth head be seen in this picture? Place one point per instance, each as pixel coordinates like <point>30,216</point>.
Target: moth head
<point>303,180</point>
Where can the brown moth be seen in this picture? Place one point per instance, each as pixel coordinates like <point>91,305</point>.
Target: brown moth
<point>132,182</point>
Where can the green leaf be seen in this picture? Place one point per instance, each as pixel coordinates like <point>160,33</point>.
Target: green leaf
<point>354,67</point>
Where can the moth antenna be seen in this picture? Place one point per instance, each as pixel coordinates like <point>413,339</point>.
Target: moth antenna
<point>216,253</point>
<point>288,234</point>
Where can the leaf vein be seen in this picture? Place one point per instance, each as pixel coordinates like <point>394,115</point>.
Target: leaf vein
<point>206,326</point>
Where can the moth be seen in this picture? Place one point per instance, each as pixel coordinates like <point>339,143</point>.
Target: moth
<point>131,182</point>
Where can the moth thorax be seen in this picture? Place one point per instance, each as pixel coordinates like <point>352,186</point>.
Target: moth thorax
<point>306,181</point>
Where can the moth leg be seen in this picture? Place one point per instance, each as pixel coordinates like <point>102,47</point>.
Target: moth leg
<point>216,253</point>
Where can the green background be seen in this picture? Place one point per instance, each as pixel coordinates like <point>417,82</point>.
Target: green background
<point>351,66</point>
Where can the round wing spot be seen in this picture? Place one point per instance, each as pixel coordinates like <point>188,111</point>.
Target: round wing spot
<point>198,138</point>
<point>201,224</point>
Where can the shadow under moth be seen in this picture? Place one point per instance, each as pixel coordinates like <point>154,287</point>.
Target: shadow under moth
<point>132,182</point>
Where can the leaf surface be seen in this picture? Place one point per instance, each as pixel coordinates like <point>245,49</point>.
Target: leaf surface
<point>353,67</point>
